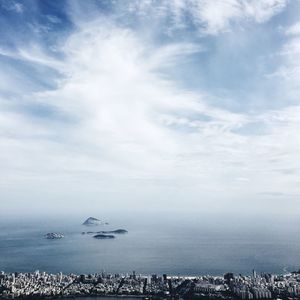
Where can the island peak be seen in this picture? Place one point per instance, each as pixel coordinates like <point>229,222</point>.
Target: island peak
<point>91,221</point>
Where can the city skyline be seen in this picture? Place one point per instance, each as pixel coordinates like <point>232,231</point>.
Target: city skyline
<point>53,286</point>
<point>177,105</point>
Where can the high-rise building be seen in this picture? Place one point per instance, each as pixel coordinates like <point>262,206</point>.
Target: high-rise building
<point>228,277</point>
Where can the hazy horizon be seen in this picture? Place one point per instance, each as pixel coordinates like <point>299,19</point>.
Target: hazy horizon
<point>160,243</point>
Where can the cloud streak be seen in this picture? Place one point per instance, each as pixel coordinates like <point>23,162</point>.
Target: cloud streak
<point>208,17</point>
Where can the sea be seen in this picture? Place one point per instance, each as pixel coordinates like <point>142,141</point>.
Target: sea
<point>170,244</point>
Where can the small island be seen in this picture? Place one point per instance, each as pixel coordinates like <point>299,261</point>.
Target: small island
<point>91,221</point>
<point>54,236</point>
<point>104,236</point>
<point>117,231</point>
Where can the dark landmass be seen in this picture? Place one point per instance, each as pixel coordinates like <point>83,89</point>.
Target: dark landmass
<point>117,231</point>
<point>104,236</point>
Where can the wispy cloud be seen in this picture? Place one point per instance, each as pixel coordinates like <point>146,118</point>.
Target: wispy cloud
<point>209,17</point>
<point>115,119</point>
<point>289,69</point>
<point>12,5</point>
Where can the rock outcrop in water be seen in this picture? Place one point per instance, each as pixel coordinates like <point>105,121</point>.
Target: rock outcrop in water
<point>54,236</point>
<point>104,236</point>
<point>91,221</point>
<point>117,231</point>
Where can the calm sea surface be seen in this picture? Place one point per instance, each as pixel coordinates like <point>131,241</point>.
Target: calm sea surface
<point>161,244</point>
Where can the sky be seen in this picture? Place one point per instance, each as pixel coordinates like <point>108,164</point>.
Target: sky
<point>163,106</point>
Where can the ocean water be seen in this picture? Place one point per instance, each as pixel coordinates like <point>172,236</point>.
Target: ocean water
<point>184,245</point>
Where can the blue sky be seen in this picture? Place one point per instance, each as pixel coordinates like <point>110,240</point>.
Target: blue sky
<point>159,105</point>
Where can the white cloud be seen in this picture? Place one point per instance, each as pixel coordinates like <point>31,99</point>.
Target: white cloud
<point>112,87</point>
<point>289,68</point>
<point>210,17</point>
<point>262,11</point>
<point>127,125</point>
<point>13,6</point>
<point>293,30</point>
<point>32,53</point>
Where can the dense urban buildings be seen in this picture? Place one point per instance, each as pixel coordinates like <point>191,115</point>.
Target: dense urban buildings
<point>43,285</point>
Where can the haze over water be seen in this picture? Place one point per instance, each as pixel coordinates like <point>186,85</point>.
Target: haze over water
<point>193,245</point>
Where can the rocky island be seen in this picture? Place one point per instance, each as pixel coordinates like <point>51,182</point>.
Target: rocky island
<point>117,231</point>
<point>91,221</point>
<point>104,236</point>
<point>54,236</point>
